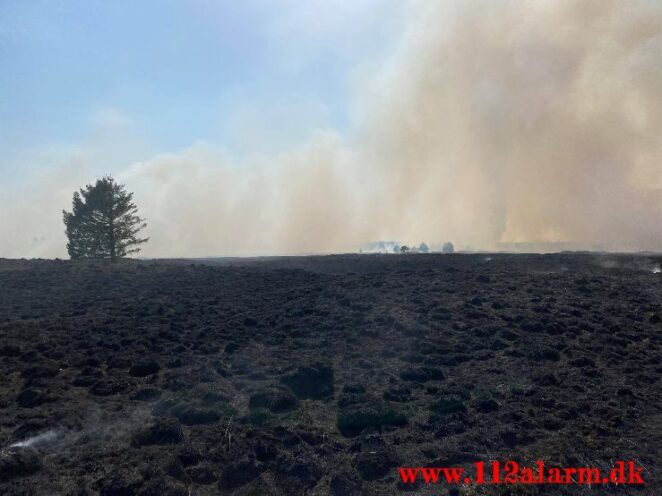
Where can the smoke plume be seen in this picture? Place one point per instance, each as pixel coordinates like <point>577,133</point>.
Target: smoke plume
<point>492,123</point>
<point>524,122</point>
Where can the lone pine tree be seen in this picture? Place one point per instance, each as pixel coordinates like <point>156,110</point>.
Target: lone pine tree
<point>103,222</point>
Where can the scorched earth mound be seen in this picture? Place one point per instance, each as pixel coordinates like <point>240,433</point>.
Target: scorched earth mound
<point>322,375</point>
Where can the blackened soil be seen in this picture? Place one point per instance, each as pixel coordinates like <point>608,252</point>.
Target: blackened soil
<point>322,375</point>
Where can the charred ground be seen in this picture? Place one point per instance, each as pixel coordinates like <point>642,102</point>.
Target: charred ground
<point>319,375</point>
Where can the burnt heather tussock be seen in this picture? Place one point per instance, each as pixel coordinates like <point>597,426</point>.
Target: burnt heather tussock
<point>321,375</point>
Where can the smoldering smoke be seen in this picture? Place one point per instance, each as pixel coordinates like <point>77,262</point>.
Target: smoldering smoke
<point>493,123</point>
<point>39,440</point>
<point>93,427</point>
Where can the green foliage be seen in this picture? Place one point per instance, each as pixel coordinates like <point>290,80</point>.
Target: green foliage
<point>103,222</point>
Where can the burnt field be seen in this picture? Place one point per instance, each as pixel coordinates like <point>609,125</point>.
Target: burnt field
<point>322,375</point>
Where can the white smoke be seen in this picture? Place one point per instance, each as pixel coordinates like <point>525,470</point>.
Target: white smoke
<point>93,427</point>
<point>39,440</point>
<point>493,122</point>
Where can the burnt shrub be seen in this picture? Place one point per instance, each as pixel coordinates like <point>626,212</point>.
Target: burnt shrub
<point>355,418</point>
<point>144,369</point>
<point>161,431</point>
<point>314,381</point>
<point>447,406</point>
<point>19,462</point>
<point>276,399</point>
<point>422,374</point>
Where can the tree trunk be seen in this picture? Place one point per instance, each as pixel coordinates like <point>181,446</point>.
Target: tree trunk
<point>112,234</point>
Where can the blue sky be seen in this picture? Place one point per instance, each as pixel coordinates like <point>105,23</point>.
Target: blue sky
<point>296,126</point>
<point>251,76</point>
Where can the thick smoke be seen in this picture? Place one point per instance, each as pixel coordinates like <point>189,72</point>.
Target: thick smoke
<point>524,122</point>
<point>204,204</point>
<point>493,123</point>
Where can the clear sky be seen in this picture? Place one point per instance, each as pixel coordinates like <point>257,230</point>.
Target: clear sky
<point>179,71</point>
